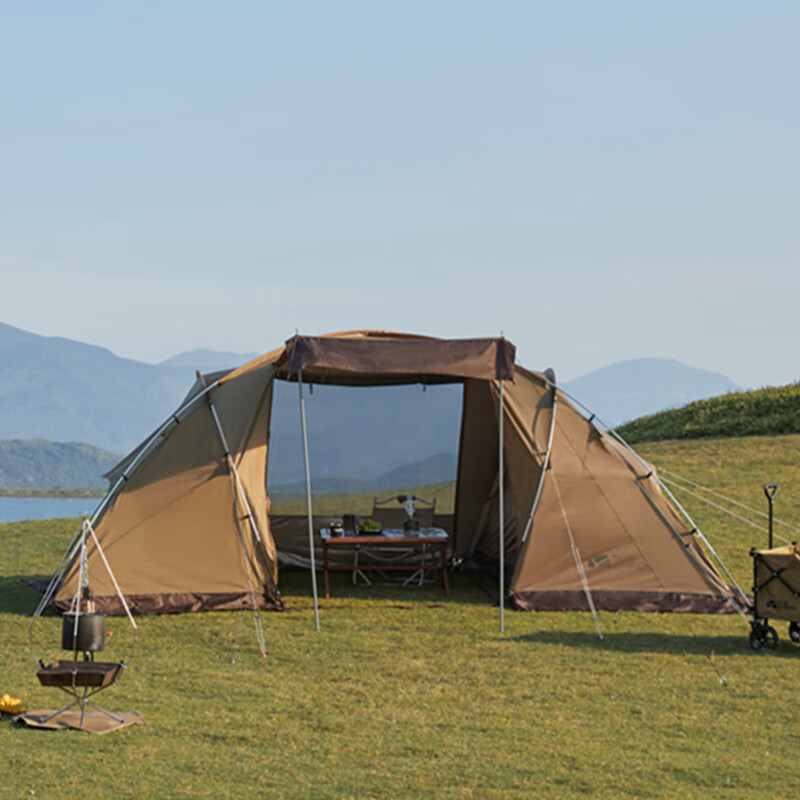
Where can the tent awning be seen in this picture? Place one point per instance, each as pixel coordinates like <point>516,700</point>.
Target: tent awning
<point>382,357</point>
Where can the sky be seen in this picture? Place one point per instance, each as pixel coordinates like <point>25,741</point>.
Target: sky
<point>596,181</point>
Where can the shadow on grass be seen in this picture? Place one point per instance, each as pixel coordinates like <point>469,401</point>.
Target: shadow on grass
<point>16,597</point>
<point>677,644</point>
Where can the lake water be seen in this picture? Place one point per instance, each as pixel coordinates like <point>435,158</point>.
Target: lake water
<point>16,509</point>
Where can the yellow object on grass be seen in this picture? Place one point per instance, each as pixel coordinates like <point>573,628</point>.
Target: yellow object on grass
<point>9,704</point>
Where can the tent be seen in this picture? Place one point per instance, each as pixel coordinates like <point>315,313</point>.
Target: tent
<point>585,522</point>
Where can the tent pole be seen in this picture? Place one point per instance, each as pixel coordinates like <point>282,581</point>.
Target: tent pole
<point>545,466</point>
<point>145,451</point>
<point>238,491</point>
<point>308,499</point>
<point>501,481</point>
<point>235,474</point>
<point>110,575</point>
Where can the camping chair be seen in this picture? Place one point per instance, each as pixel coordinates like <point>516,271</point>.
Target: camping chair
<point>394,517</point>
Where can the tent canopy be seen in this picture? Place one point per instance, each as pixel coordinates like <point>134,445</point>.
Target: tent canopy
<point>187,523</point>
<point>358,358</point>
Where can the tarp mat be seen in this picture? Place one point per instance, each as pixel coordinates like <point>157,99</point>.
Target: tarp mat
<point>93,722</point>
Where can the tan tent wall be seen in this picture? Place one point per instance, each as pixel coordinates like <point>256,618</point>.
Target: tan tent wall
<point>177,532</point>
<point>477,465</point>
<point>636,551</point>
<point>527,409</point>
<point>487,540</point>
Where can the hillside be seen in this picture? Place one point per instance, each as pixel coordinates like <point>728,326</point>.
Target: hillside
<point>736,468</point>
<point>67,391</point>
<point>439,469</point>
<point>768,411</point>
<point>630,389</point>
<point>39,463</point>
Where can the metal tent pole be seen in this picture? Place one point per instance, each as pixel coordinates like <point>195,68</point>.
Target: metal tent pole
<point>238,491</point>
<point>146,449</point>
<point>545,466</point>
<point>111,575</point>
<point>308,499</point>
<point>502,512</point>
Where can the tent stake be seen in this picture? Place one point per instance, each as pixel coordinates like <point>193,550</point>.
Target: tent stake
<point>308,500</point>
<point>501,480</point>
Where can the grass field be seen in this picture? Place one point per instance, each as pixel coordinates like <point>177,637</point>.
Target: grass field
<point>406,695</point>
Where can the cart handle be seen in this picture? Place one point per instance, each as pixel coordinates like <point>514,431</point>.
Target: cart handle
<point>770,490</point>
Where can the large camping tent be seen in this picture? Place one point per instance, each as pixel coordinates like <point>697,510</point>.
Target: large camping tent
<point>187,524</point>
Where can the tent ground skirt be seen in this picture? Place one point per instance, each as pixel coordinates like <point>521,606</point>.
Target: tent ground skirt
<point>180,602</point>
<point>575,600</point>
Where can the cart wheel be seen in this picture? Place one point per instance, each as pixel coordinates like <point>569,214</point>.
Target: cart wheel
<point>763,637</point>
<point>794,632</point>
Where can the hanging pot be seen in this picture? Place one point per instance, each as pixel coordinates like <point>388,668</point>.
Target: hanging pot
<point>91,632</point>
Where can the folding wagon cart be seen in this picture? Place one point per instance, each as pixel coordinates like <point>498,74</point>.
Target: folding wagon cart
<point>776,588</point>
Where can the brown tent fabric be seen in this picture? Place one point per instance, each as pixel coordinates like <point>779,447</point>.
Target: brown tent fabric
<point>177,534</point>
<point>374,358</point>
<point>366,357</point>
<point>636,551</point>
<point>176,528</point>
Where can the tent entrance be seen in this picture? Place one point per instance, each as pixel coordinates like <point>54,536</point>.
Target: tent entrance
<point>364,442</point>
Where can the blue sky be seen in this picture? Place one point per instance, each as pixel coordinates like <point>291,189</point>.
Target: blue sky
<point>599,181</point>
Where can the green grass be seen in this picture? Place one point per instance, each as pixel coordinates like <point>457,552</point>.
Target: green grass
<point>768,411</point>
<point>404,694</point>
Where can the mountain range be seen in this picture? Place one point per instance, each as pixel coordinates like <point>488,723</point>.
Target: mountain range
<point>66,391</point>
<point>630,389</point>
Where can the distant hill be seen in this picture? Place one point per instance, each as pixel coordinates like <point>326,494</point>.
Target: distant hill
<point>39,463</point>
<point>185,366</point>
<point>434,470</point>
<point>62,390</point>
<point>772,410</point>
<point>630,389</point>
<point>67,391</point>
<point>359,434</point>
<point>208,360</point>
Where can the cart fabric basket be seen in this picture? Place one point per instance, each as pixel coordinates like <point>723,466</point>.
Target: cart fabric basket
<point>776,594</point>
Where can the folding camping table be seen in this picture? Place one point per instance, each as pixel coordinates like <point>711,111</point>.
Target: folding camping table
<point>389,537</point>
